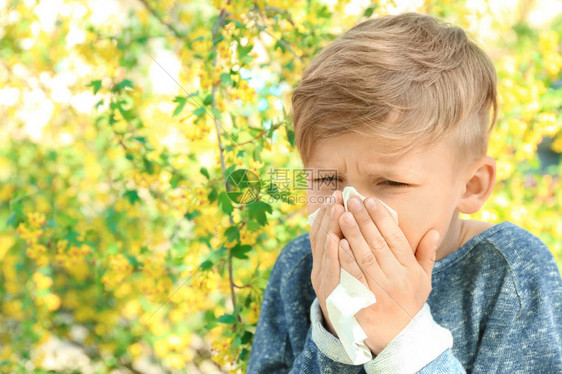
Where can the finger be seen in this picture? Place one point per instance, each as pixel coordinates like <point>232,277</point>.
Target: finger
<point>339,197</point>
<point>365,258</point>
<point>316,225</point>
<point>331,265</point>
<point>425,253</point>
<point>319,241</point>
<point>348,263</point>
<point>390,231</point>
<point>373,237</point>
<point>337,211</point>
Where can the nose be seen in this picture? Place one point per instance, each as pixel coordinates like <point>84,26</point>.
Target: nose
<point>361,188</point>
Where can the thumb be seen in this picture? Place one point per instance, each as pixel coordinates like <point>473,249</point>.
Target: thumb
<point>425,254</point>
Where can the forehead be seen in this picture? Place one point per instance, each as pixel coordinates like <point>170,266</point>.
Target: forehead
<point>368,148</point>
<point>376,156</point>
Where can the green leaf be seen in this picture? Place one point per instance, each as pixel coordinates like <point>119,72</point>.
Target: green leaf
<point>253,226</point>
<point>122,85</point>
<point>218,40</point>
<point>205,172</point>
<point>176,178</point>
<point>199,111</point>
<point>243,354</point>
<point>239,251</point>
<point>227,318</point>
<point>256,154</point>
<point>226,79</point>
<point>290,136</point>
<point>279,46</point>
<point>208,99</point>
<point>257,211</point>
<point>132,195</point>
<point>12,220</point>
<point>243,51</point>
<point>206,265</point>
<point>192,215</point>
<point>132,260</point>
<point>232,233</point>
<point>72,237</point>
<point>180,100</point>
<point>369,11</point>
<point>231,168</point>
<point>247,337</point>
<point>216,113</point>
<point>212,195</point>
<point>96,85</point>
<point>225,203</point>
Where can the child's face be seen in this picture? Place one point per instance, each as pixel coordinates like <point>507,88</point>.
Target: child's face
<point>423,185</point>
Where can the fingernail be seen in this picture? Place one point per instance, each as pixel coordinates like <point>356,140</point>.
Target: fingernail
<point>348,219</point>
<point>354,204</point>
<point>333,213</point>
<point>370,203</point>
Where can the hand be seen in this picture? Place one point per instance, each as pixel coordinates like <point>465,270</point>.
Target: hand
<point>325,235</point>
<point>376,252</point>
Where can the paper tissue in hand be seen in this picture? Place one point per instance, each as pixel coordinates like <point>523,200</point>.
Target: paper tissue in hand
<point>348,298</point>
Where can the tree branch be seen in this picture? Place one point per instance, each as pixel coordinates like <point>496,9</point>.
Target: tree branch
<point>170,27</point>
<point>260,134</point>
<point>220,20</point>
<point>263,28</point>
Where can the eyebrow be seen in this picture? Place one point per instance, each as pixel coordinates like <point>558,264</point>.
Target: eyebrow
<point>378,171</point>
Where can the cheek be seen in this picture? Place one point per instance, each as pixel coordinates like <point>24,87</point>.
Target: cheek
<point>417,216</point>
<point>315,200</point>
<point>316,197</point>
<point>311,201</point>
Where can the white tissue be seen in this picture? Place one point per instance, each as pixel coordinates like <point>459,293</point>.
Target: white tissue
<point>348,298</point>
<point>351,191</point>
<point>347,193</point>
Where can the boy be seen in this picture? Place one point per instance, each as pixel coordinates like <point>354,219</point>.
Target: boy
<point>399,107</point>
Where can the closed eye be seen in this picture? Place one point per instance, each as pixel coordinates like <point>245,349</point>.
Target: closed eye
<point>395,184</point>
<point>325,179</point>
<point>389,183</point>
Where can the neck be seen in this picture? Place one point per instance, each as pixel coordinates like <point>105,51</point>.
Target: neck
<point>453,238</point>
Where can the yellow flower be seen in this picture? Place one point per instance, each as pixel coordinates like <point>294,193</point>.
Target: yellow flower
<point>161,348</point>
<point>51,300</point>
<point>135,350</point>
<point>253,314</point>
<point>6,192</point>
<point>13,308</point>
<point>6,242</point>
<point>42,282</point>
<point>220,351</point>
<point>548,124</point>
<point>36,219</point>
<point>175,361</point>
<point>548,41</point>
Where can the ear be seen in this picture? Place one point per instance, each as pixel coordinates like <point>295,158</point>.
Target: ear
<point>479,185</point>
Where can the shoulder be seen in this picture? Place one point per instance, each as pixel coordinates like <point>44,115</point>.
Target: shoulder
<point>521,249</point>
<point>294,255</point>
<point>529,261</point>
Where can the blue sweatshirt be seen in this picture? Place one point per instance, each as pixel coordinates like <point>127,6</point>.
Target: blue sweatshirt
<point>495,306</point>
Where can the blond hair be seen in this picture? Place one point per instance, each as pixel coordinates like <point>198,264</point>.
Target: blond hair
<point>408,79</point>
